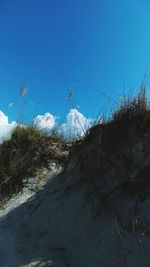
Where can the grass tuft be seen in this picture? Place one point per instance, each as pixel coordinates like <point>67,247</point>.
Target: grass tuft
<point>132,107</point>
<point>28,151</point>
<point>107,152</point>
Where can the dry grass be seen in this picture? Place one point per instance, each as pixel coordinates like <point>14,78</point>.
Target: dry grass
<point>134,111</point>
<point>28,151</point>
<point>108,146</point>
<point>132,107</point>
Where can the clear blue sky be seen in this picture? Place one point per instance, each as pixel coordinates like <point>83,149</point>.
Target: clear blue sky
<point>85,45</point>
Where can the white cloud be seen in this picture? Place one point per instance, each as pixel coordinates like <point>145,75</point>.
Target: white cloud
<point>76,124</point>
<point>46,121</point>
<point>6,128</point>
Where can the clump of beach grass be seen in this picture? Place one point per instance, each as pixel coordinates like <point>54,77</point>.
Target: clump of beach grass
<point>28,151</point>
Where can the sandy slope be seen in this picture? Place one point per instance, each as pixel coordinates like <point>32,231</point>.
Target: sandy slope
<point>18,241</point>
<point>60,229</point>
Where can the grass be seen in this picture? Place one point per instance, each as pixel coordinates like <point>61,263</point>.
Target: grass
<point>134,111</point>
<point>28,151</point>
<point>132,107</point>
<point>108,146</point>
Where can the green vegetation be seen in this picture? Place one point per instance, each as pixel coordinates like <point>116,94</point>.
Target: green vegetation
<point>134,111</point>
<point>110,149</point>
<point>28,151</point>
<point>132,107</point>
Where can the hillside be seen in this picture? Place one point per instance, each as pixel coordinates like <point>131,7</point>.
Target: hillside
<point>96,211</point>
